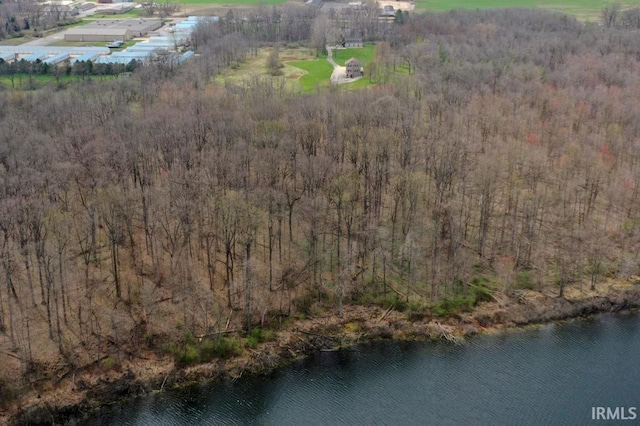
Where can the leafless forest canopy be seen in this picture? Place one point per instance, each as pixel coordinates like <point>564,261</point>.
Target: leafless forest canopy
<point>506,155</point>
<point>17,16</point>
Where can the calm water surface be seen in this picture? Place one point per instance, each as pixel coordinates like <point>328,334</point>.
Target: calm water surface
<point>550,375</point>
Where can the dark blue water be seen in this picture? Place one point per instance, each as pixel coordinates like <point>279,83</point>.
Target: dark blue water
<point>552,375</point>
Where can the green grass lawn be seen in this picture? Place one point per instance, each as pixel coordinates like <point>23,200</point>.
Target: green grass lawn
<point>133,13</point>
<point>21,81</point>
<point>583,9</point>
<point>318,73</point>
<point>78,23</point>
<point>364,54</point>
<point>15,41</point>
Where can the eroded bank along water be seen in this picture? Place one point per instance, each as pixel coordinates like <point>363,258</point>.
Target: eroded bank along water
<point>552,374</point>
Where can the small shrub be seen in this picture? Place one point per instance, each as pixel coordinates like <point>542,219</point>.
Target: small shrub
<point>206,351</point>
<point>400,305</point>
<point>227,347</point>
<point>108,363</point>
<point>150,340</point>
<point>311,304</point>
<point>259,335</point>
<point>7,393</point>
<point>191,351</point>
<point>188,355</point>
<point>524,280</point>
<point>481,294</point>
<point>262,335</point>
<point>384,301</point>
<point>351,327</point>
<point>448,307</point>
<point>286,322</point>
<point>252,342</point>
<point>416,310</point>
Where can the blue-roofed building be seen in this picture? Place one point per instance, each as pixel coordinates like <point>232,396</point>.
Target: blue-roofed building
<point>9,56</point>
<point>60,57</point>
<point>161,39</point>
<point>143,51</point>
<point>35,56</point>
<point>148,49</point>
<point>186,56</point>
<point>52,50</point>
<point>156,45</point>
<point>119,60</point>
<point>87,57</point>
<point>186,26</point>
<point>128,53</point>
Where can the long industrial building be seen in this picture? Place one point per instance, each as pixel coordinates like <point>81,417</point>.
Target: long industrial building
<point>112,29</point>
<point>108,30</point>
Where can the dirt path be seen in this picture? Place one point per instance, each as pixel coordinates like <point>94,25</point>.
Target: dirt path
<point>339,75</point>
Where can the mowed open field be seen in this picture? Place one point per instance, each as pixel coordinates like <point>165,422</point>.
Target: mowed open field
<point>583,9</point>
<point>300,67</point>
<point>231,3</point>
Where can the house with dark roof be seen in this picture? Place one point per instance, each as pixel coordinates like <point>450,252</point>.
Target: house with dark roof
<point>353,42</point>
<point>354,68</point>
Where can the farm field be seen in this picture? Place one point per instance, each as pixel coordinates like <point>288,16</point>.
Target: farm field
<point>230,3</point>
<point>583,9</point>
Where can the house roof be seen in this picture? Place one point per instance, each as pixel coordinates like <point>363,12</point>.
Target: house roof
<point>352,61</point>
<point>98,31</point>
<point>132,24</point>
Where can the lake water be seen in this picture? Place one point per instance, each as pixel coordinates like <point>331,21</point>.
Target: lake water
<point>550,375</point>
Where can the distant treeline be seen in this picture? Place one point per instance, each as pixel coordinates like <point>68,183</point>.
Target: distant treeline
<point>19,16</point>
<point>38,67</point>
<point>140,210</point>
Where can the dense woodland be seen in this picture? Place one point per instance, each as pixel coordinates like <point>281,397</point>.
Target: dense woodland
<point>506,155</point>
<point>19,16</point>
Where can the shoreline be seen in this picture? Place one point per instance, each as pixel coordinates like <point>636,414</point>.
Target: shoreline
<point>74,398</point>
